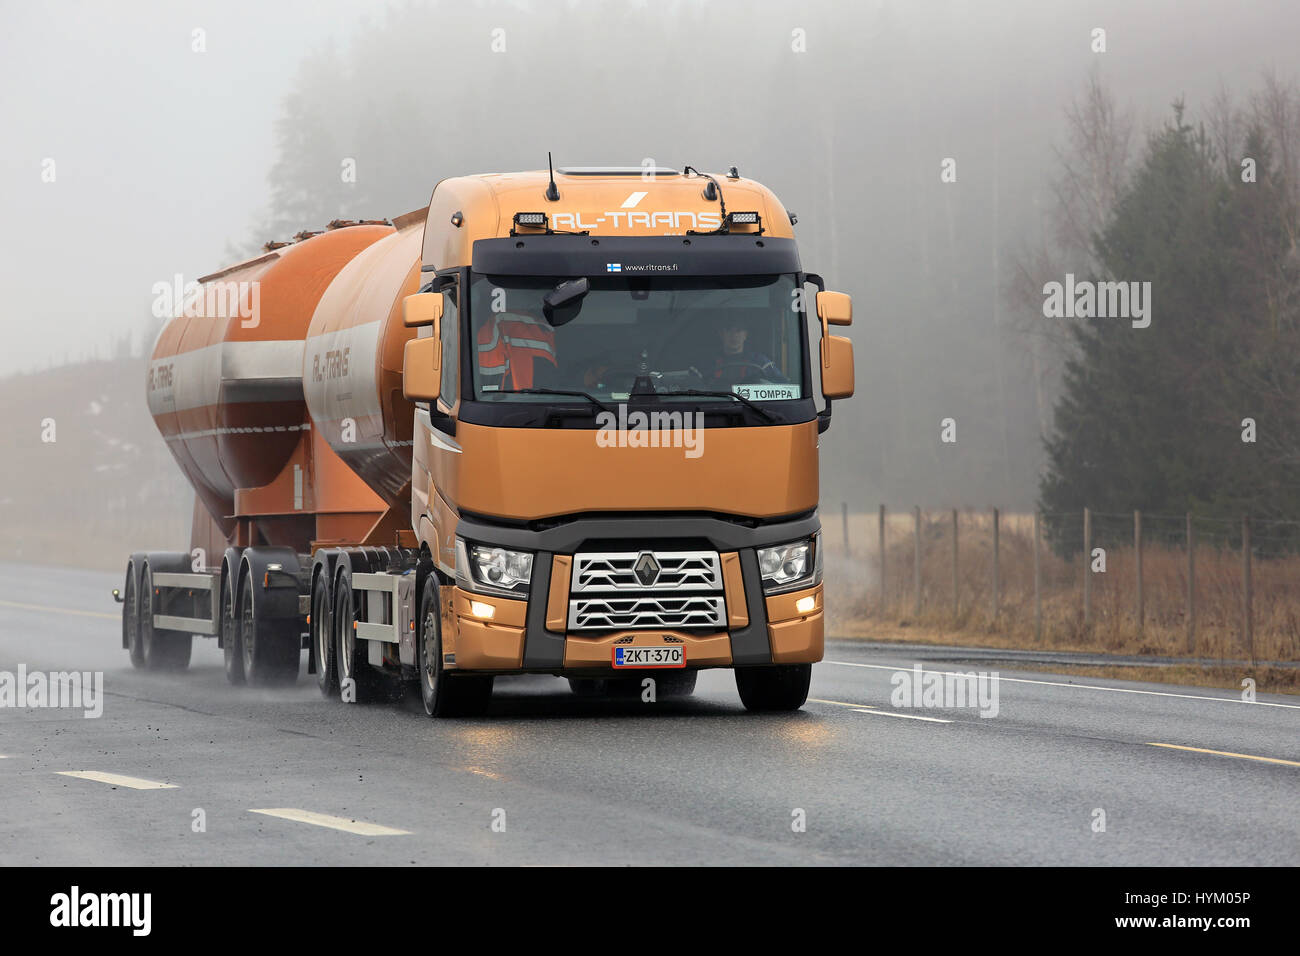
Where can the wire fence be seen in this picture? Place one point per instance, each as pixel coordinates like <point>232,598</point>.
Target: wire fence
<point>1177,585</point>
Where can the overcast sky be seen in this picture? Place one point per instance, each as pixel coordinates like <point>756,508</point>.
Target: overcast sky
<point>162,153</point>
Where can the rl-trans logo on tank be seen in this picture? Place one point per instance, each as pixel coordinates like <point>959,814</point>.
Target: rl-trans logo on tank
<point>334,366</point>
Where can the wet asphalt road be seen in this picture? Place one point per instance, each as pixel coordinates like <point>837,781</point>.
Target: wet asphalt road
<point>548,778</point>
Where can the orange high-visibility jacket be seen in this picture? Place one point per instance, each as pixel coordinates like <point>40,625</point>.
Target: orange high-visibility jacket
<point>509,343</point>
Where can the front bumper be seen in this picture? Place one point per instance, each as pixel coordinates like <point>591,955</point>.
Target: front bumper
<point>491,634</point>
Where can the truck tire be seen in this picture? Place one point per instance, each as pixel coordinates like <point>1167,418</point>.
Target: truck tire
<point>131,617</point>
<point>676,684</point>
<point>231,646</point>
<point>444,694</point>
<point>271,649</point>
<point>620,687</point>
<point>780,687</point>
<point>359,683</point>
<point>161,650</point>
<point>322,637</point>
<point>587,686</point>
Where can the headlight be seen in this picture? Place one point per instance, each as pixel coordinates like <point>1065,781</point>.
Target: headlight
<point>790,566</point>
<point>490,569</point>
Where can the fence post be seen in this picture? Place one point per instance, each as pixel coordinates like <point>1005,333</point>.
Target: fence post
<point>996,582</point>
<point>956,598</point>
<point>916,571</point>
<point>1246,583</point>
<point>1087,567</point>
<point>881,532</point>
<point>1137,553</point>
<point>1038,579</point>
<point>844,516</point>
<point>1191,587</point>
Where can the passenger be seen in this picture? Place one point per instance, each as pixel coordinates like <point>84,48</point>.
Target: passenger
<point>508,345</point>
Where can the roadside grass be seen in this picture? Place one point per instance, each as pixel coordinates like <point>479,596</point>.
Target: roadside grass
<point>855,608</point>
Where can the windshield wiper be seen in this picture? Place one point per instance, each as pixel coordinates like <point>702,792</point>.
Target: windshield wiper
<point>706,393</point>
<point>556,391</point>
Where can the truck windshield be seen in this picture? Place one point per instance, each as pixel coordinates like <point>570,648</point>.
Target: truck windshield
<point>733,335</point>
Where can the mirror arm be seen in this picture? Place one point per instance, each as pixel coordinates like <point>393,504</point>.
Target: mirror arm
<point>824,414</point>
<point>824,417</point>
<point>445,422</point>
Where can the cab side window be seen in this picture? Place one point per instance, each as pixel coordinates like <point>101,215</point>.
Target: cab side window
<point>448,391</point>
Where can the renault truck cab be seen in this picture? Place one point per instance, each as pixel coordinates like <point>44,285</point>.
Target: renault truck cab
<point>615,452</point>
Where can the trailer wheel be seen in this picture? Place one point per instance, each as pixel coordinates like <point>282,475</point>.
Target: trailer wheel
<point>161,650</point>
<point>359,683</point>
<point>131,618</point>
<point>782,687</point>
<point>271,648</point>
<point>231,646</point>
<point>322,637</point>
<point>444,694</point>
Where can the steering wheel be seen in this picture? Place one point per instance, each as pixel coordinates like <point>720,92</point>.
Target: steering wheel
<point>717,371</point>
<point>611,375</point>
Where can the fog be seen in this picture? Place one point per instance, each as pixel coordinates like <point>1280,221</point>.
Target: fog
<point>168,158</point>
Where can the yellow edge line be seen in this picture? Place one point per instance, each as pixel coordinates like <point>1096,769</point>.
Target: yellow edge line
<point>1227,753</point>
<point>58,610</point>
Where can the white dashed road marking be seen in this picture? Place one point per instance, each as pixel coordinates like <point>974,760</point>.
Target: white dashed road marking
<point>117,780</point>
<point>334,823</point>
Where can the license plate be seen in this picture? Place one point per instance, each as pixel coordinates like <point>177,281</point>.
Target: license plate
<point>669,655</point>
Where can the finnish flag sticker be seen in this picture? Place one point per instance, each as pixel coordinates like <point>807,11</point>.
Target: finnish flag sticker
<point>613,267</point>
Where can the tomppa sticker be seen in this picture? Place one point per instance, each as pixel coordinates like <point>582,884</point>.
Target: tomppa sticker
<point>766,392</point>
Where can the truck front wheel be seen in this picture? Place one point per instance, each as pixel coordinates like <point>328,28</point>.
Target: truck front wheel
<point>444,694</point>
<point>782,687</point>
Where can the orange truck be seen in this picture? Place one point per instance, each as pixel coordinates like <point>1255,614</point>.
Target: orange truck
<point>557,422</point>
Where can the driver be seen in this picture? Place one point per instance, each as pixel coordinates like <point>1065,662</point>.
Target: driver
<point>735,364</point>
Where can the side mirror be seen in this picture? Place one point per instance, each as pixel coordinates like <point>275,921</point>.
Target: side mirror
<point>423,308</point>
<point>837,365</point>
<point>421,375</point>
<point>834,308</point>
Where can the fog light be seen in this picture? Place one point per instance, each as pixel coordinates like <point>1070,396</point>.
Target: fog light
<point>805,604</point>
<point>482,609</point>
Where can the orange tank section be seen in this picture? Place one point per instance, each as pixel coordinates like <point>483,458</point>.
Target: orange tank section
<point>352,364</point>
<point>225,389</point>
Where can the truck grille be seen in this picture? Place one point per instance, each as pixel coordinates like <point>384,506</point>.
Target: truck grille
<point>647,571</point>
<point>616,613</point>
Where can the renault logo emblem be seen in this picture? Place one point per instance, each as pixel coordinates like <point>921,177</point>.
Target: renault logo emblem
<point>647,569</point>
